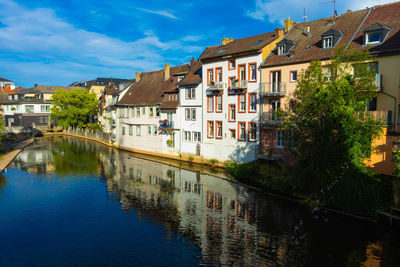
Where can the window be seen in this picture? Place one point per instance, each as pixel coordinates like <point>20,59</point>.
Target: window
<point>232,113</point>
<point>132,112</point>
<point>180,78</point>
<point>130,130</point>
<point>252,131</point>
<point>327,42</point>
<point>218,73</point>
<point>29,108</point>
<point>210,129</point>
<point>187,114</point>
<point>123,130</point>
<point>242,103</point>
<point>231,64</point>
<point>252,102</point>
<point>293,76</point>
<point>186,136</point>
<point>373,37</point>
<point>190,93</point>
<point>9,97</point>
<point>149,130</point>
<point>151,114</point>
<point>281,50</point>
<point>139,174</point>
<point>219,130</point>
<point>155,130</point>
<point>218,100</point>
<point>252,72</point>
<point>210,76</point>
<point>232,133</point>
<point>45,108</point>
<point>137,112</point>
<point>242,72</point>
<point>196,136</point>
<point>138,130</point>
<point>210,103</point>
<point>193,114</point>
<point>157,112</point>
<point>242,131</point>
<point>126,112</point>
<point>279,139</point>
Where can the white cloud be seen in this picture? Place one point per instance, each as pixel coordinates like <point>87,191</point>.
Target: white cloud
<point>278,10</point>
<point>158,12</point>
<point>64,51</point>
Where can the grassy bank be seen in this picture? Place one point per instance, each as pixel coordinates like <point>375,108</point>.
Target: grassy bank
<point>361,194</point>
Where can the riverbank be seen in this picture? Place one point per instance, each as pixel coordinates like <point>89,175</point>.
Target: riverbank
<point>6,159</point>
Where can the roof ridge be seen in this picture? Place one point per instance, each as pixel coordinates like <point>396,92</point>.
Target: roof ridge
<point>387,4</point>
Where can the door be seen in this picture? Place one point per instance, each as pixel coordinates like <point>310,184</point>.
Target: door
<point>275,81</point>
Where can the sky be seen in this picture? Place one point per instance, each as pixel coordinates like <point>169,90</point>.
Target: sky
<point>57,42</point>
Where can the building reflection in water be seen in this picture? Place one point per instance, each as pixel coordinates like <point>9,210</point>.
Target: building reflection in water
<point>230,223</point>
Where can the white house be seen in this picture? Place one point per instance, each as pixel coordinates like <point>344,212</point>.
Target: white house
<point>231,80</point>
<point>5,82</point>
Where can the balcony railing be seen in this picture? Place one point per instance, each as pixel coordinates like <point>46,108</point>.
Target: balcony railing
<point>166,124</point>
<point>216,87</point>
<point>239,85</point>
<point>270,118</point>
<point>382,116</point>
<point>273,89</point>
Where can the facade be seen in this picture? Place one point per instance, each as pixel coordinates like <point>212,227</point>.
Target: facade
<point>191,111</point>
<point>316,40</point>
<point>231,80</point>
<point>140,125</point>
<point>4,83</point>
<point>29,108</point>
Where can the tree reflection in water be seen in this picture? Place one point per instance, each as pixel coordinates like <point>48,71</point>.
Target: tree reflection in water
<point>231,224</point>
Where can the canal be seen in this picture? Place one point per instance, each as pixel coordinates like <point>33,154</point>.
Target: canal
<point>69,202</point>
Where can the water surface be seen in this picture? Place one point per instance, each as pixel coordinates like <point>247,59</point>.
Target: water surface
<point>68,202</point>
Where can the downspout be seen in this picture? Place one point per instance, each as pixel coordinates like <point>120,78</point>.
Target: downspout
<point>260,122</point>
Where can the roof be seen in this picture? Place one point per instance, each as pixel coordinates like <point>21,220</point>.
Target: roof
<point>6,89</point>
<point>309,47</point>
<point>194,75</point>
<point>248,44</point>
<point>49,89</point>
<point>150,87</point>
<point>4,80</point>
<point>106,81</point>
<point>386,16</point>
<point>3,98</point>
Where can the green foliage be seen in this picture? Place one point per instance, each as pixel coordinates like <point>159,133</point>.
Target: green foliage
<point>2,132</point>
<point>212,162</point>
<point>94,127</point>
<point>73,108</point>
<point>333,134</point>
<point>396,159</point>
<point>191,158</point>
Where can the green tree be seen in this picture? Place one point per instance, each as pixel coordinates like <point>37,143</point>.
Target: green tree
<point>332,131</point>
<point>73,108</point>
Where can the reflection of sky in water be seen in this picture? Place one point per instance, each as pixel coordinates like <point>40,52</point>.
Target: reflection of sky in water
<point>78,202</point>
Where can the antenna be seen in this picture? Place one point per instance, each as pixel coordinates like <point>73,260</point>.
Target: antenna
<point>334,11</point>
<point>304,16</point>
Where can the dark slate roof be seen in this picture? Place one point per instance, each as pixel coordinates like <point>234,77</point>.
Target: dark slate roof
<point>388,16</point>
<point>106,81</point>
<point>49,89</point>
<point>194,75</point>
<point>4,80</point>
<point>151,86</point>
<point>248,44</point>
<point>309,47</point>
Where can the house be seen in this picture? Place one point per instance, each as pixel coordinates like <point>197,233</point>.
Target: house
<point>4,83</point>
<point>191,110</point>
<point>231,79</point>
<point>97,86</point>
<point>29,107</point>
<point>376,28</point>
<point>140,125</point>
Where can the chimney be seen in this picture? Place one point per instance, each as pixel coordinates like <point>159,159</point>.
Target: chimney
<point>308,30</point>
<point>192,61</point>
<point>166,71</point>
<point>36,85</point>
<point>226,41</point>
<point>288,24</point>
<point>279,32</point>
<point>137,76</point>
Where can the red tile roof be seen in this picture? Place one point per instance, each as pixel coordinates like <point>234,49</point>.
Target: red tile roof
<point>149,89</point>
<point>193,77</point>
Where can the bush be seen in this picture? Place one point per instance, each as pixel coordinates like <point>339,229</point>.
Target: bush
<point>191,158</point>
<point>94,127</point>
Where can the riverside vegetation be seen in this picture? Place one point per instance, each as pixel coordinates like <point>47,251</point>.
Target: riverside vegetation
<point>329,135</point>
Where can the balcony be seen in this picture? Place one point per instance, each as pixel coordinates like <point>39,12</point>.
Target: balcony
<point>381,116</point>
<point>377,83</point>
<point>270,118</point>
<point>216,87</point>
<point>239,85</point>
<point>273,89</point>
<point>166,125</point>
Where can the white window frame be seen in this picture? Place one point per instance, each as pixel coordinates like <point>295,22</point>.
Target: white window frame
<point>187,136</point>
<point>253,72</point>
<point>280,139</point>
<point>138,130</point>
<point>253,103</point>
<point>219,127</point>
<point>196,137</point>
<point>281,49</point>
<point>291,76</point>
<point>252,131</point>
<point>373,32</point>
<point>327,41</point>
<point>193,114</point>
<point>187,114</point>
<point>242,130</point>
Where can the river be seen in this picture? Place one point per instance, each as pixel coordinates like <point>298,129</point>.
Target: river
<point>70,202</point>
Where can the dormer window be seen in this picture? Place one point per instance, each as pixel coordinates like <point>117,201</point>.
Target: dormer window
<point>331,38</point>
<point>373,37</point>
<point>375,34</point>
<point>281,50</point>
<point>328,42</point>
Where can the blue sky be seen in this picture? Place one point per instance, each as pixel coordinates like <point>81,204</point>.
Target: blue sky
<point>58,42</point>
